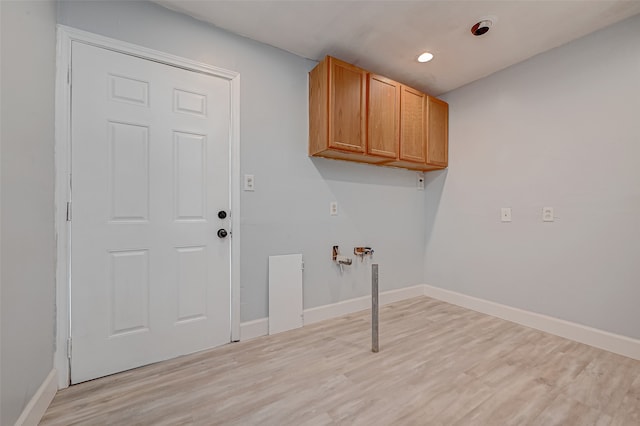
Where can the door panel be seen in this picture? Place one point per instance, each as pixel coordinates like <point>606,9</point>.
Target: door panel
<point>189,176</point>
<point>412,126</point>
<point>128,171</point>
<point>192,283</point>
<point>348,97</point>
<point>383,117</point>
<point>150,279</point>
<point>438,132</point>
<point>129,290</point>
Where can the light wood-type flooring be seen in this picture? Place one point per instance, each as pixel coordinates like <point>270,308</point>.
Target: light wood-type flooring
<point>438,364</point>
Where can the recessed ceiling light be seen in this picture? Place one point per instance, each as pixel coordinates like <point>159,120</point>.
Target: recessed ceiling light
<point>425,57</point>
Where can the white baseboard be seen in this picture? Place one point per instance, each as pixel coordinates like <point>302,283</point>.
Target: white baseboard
<point>253,329</point>
<point>260,327</point>
<point>611,342</point>
<point>345,307</point>
<point>35,409</point>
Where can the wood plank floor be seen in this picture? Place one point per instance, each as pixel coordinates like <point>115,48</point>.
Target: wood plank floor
<point>438,364</point>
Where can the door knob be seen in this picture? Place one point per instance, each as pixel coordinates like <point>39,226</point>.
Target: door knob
<point>222,233</point>
<point>222,214</point>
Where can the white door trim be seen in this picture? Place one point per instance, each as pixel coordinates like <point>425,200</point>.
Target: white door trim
<point>66,35</point>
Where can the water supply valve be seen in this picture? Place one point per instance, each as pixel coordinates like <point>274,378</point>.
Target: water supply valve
<point>362,252</point>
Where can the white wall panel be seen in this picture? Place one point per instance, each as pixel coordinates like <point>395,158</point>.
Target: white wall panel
<point>285,293</point>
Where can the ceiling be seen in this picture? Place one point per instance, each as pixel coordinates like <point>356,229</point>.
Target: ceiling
<point>387,36</point>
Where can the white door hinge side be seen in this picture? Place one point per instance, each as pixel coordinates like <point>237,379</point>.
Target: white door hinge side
<point>69,348</point>
<point>68,211</point>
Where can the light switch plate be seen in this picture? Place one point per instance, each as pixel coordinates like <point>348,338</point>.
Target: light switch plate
<point>249,183</point>
<point>505,214</point>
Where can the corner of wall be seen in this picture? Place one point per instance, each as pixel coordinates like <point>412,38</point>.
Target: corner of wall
<point>37,406</point>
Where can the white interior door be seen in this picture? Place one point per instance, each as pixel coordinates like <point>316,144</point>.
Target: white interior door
<point>150,278</point>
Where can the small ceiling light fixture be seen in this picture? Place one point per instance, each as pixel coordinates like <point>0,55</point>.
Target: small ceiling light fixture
<point>425,57</point>
<point>481,27</point>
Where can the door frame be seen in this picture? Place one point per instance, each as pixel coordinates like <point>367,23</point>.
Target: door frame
<point>66,36</point>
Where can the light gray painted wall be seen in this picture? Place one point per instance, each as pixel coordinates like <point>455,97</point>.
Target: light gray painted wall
<point>562,130</point>
<point>27,229</point>
<point>289,210</point>
<point>1,118</point>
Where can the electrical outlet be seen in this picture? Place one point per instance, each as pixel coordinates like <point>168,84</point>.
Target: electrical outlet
<point>333,208</point>
<point>505,214</point>
<point>547,214</point>
<point>249,183</point>
<point>420,181</point>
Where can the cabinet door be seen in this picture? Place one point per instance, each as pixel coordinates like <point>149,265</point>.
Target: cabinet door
<point>437,132</point>
<point>383,123</point>
<point>412,125</point>
<point>347,107</point>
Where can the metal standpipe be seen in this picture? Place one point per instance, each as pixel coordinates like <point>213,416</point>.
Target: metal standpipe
<point>374,307</point>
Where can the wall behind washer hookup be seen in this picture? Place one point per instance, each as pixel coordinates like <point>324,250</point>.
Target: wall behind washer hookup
<point>289,210</point>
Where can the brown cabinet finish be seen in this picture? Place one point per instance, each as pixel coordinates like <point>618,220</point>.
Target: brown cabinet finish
<point>319,109</point>
<point>337,112</point>
<point>383,118</point>
<point>412,126</point>
<point>423,132</point>
<point>437,132</point>
<point>348,106</point>
<point>359,116</point>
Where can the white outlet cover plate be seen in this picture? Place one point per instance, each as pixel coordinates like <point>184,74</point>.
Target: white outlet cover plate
<point>505,214</point>
<point>547,214</point>
<point>333,208</point>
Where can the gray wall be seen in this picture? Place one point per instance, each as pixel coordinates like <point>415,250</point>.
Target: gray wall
<point>28,248</point>
<point>289,210</point>
<point>562,130</point>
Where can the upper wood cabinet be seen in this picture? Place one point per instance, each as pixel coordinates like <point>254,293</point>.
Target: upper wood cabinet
<point>347,107</point>
<point>437,132</point>
<point>412,126</point>
<point>383,117</point>
<point>338,111</point>
<point>423,131</point>
<point>359,116</point>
